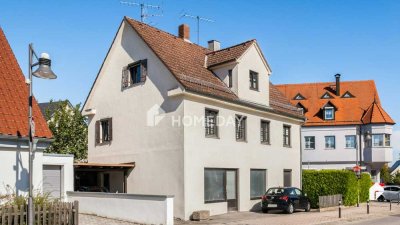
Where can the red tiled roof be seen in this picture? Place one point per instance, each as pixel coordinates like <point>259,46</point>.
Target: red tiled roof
<point>228,54</point>
<point>186,61</point>
<point>363,108</point>
<point>14,97</point>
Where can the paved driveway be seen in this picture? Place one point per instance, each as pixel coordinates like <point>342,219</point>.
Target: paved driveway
<point>352,215</point>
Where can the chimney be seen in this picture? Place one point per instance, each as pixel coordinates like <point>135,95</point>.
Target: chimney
<point>337,76</point>
<point>214,45</point>
<point>184,31</point>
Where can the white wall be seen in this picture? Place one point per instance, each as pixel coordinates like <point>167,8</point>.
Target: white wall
<point>157,151</point>
<point>226,152</point>
<point>252,60</point>
<point>14,166</point>
<point>67,170</point>
<point>147,209</point>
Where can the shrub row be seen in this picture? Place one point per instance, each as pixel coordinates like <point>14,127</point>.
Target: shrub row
<point>331,182</point>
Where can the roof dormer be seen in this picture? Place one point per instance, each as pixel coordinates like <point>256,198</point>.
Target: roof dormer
<point>328,111</point>
<point>299,97</point>
<point>326,96</point>
<point>347,94</point>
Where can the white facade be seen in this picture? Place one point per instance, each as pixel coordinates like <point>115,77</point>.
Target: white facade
<point>14,153</point>
<point>342,157</point>
<point>154,125</point>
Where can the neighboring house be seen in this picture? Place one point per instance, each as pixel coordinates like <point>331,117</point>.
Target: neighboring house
<point>202,124</point>
<point>51,173</point>
<point>395,168</point>
<point>345,123</point>
<point>48,108</point>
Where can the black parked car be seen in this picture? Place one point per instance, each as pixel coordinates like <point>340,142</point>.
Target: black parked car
<point>285,198</point>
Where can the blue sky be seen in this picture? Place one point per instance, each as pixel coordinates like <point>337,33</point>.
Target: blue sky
<point>304,41</point>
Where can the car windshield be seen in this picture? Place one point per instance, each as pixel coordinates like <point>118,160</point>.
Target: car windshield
<point>275,191</point>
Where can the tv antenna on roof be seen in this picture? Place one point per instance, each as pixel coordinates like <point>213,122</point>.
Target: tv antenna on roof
<point>198,18</point>
<point>143,9</point>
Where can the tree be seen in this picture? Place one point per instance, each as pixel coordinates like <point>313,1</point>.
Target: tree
<point>385,175</point>
<point>69,129</point>
<point>396,178</point>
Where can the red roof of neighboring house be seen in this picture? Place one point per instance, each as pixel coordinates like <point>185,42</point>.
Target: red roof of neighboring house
<point>361,106</point>
<point>187,62</point>
<point>14,95</point>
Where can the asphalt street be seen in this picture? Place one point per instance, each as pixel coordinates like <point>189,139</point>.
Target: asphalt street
<point>388,220</point>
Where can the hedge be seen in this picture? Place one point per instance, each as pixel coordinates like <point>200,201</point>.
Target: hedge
<point>330,182</point>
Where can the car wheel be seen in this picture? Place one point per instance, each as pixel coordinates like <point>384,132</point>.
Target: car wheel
<point>308,207</point>
<point>381,198</point>
<point>265,210</point>
<point>290,208</point>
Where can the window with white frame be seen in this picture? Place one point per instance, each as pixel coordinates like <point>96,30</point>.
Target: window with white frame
<point>240,125</point>
<point>253,80</point>
<point>329,113</point>
<point>309,142</point>
<point>330,142</point>
<point>103,131</point>
<point>351,141</point>
<point>381,140</point>
<point>211,123</point>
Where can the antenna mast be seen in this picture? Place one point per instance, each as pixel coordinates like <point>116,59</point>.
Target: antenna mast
<point>198,18</point>
<point>143,9</point>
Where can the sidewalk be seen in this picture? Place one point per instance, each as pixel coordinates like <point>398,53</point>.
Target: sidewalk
<point>349,214</point>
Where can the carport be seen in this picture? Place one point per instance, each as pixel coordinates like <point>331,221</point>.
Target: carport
<point>102,177</point>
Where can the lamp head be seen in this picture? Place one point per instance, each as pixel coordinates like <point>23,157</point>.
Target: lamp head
<point>44,71</point>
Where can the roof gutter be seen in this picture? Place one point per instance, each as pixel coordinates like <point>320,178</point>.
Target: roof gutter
<point>12,137</point>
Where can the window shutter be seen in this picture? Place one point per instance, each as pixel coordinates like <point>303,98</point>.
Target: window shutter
<point>97,132</point>
<point>125,77</point>
<point>110,129</point>
<point>143,72</point>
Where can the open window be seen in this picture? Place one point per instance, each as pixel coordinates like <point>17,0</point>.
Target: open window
<point>134,73</point>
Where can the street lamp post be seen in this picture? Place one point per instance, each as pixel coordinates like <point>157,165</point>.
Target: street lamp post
<point>43,71</point>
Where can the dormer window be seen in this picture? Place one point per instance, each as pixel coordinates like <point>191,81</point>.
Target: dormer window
<point>230,82</point>
<point>329,113</point>
<point>299,97</point>
<point>253,80</point>
<point>347,95</point>
<point>301,107</point>
<point>326,96</point>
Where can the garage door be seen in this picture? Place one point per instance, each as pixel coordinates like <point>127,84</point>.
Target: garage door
<point>52,180</point>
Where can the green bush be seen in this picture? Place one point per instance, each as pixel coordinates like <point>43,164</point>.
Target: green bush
<point>330,182</point>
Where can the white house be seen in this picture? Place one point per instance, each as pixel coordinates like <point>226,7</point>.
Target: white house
<point>202,124</point>
<point>52,174</point>
<point>345,125</point>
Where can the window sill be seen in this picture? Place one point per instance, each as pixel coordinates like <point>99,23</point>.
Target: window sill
<point>309,148</point>
<point>329,148</point>
<point>265,143</point>
<point>212,137</point>
<point>287,146</point>
<point>351,148</point>
<point>244,141</point>
<point>216,201</point>
<point>255,89</point>
<point>103,143</point>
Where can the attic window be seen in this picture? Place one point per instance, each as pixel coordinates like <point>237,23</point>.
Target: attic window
<point>326,96</point>
<point>347,95</point>
<point>299,97</point>
<point>134,73</point>
<point>301,107</point>
<point>329,113</point>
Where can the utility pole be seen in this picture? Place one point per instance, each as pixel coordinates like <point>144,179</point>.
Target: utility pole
<point>198,18</point>
<point>144,9</point>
